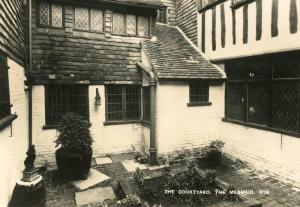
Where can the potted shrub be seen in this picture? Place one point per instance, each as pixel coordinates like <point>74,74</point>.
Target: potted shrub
<point>73,158</point>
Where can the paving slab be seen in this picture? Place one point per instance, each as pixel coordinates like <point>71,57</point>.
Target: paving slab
<point>122,157</point>
<point>96,195</point>
<point>131,166</point>
<point>95,177</point>
<point>103,160</point>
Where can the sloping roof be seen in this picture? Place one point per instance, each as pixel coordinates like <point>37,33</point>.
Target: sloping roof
<point>149,3</point>
<point>173,57</point>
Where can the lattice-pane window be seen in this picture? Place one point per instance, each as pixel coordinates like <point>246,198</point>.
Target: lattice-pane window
<point>122,103</point>
<point>44,13</point>
<point>265,90</point>
<point>114,111</point>
<point>235,101</point>
<point>4,88</point>
<point>81,18</point>
<point>161,16</point>
<point>143,26</point>
<point>285,106</point>
<point>258,106</point>
<point>56,15</point>
<point>118,23</point>
<point>131,24</point>
<point>199,92</point>
<point>132,102</point>
<point>65,98</point>
<point>96,20</point>
<point>146,103</point>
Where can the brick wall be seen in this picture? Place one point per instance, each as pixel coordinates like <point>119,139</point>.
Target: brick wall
<point>180,126</point>
<point>14,140</point>
<point>187,18</point>
<point>108,139</point>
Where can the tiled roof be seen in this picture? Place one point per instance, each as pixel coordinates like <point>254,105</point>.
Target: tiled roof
<point>151,3</point>
<point>173,57</point>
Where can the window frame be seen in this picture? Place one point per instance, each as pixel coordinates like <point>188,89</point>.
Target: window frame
<point>124,120</point>
<point>199,103</point>
<point>7,102</point>
<point>47,105</point>
<point>137,16</point>
<point>146,106</point>
<point>89,20</point>
<point>50,15</point>
<point>159,16</point>
<point>272,81</point>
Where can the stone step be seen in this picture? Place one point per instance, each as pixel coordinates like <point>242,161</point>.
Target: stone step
<point>95,195</point>
<point>95,177</point>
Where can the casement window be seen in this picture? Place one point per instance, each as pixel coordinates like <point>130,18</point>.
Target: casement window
<point>122,102</point>
<point>146,104</point>
<point>50,14</point>
<point>199,92</point>
<point>61,99</point>
<point>161,16</point>
<point>266,93</point>
<point>4,88</point>
<point>130,24</point>
<point>88,19</point>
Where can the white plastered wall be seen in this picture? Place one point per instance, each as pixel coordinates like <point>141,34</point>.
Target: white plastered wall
<point>14,139</point>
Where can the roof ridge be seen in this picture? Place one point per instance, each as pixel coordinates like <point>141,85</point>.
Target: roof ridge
<point>199,51</point>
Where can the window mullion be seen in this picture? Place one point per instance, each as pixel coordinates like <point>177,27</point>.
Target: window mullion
<point>124,102</point>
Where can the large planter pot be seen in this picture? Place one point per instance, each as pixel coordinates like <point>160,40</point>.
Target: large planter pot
<point>73,165</point>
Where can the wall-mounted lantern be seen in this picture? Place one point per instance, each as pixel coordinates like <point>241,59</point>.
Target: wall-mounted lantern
<point>97,98</point>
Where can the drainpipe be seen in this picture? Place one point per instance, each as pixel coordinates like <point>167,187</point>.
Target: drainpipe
<point>152,82</point>
<point>29,77</point>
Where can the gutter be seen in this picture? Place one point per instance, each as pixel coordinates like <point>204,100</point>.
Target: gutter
<point>152,82</point>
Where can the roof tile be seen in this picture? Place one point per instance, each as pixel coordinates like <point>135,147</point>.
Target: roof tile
<point>173,57</point>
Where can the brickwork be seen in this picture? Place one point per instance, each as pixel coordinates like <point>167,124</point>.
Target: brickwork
<point>14,140</point>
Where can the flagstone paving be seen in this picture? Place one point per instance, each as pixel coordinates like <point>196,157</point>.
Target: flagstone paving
<point>274,193</point>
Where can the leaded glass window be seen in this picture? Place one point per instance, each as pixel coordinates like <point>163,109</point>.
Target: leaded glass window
<point>57,15</point>
<point>61,99</point>
<point>96,20</point>
<point>118,23</point>
<point>143,26</point>
<point>81,18</point>
<point>44,12</point>
<point>199,91</point>
<point>50,15</point>
<point>122,102</point>
<point>131,24</point>
<point>265,91</point>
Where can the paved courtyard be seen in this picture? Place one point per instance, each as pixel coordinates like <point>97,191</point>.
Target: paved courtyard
<point>268,190</point>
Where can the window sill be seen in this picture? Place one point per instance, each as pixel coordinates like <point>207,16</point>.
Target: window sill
<point>146,123</point>
<point>107,123</point>
<point>199,104</point>
<point>262,127</point>
<point>88,31</point>
<point>240,3</point>
<point>7,121</point>
<point>45,127</point>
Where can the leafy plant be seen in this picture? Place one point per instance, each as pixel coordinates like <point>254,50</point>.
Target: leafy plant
<point>131,200</point>
<point>74,134</point>
<point>212,154</point>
